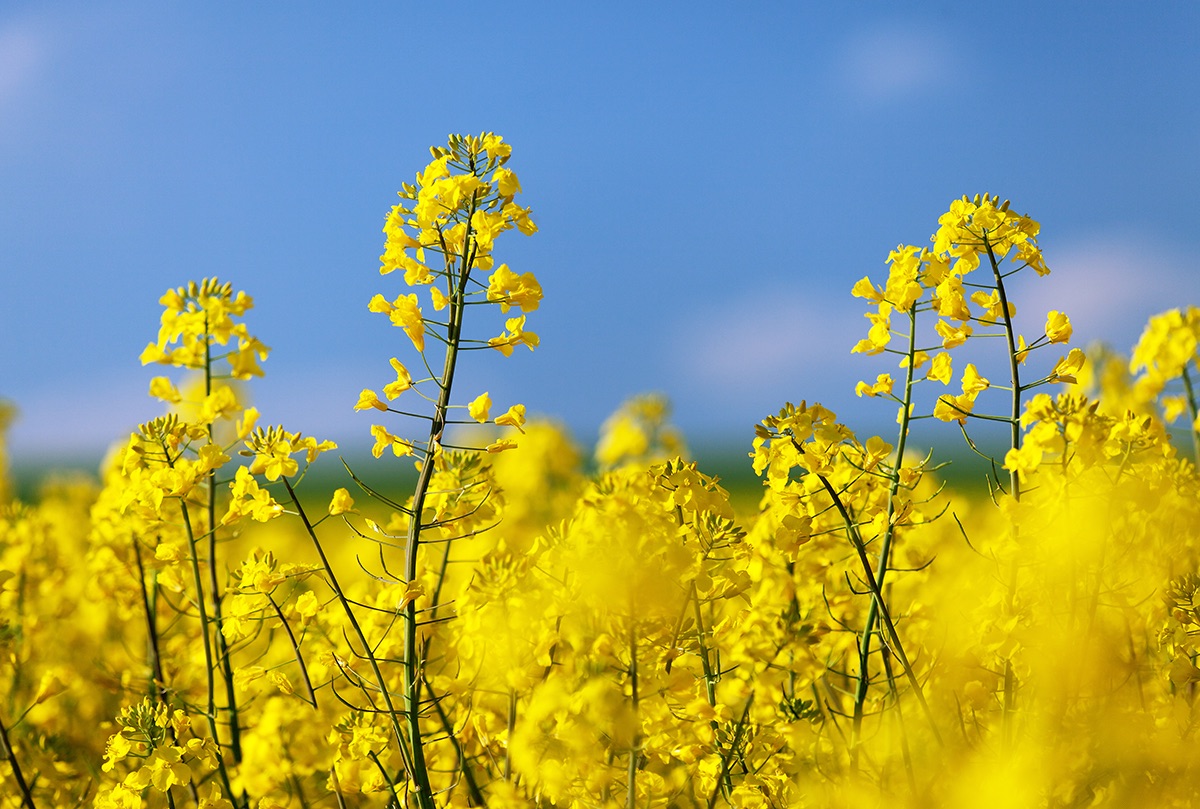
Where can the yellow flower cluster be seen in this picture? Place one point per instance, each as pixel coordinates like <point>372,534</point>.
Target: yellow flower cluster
<point>456,209</point>
<point>199,316</point>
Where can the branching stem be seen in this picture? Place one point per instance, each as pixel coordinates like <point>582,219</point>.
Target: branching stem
<point>877,594</point>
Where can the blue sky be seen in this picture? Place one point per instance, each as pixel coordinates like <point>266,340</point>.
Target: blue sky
<point>710,179</point>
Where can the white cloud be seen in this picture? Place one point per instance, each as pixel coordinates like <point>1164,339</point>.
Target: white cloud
<point>78,418</point>
<point>23,52</point>
<point>1110,285</point>
<point>896,61</point>
<point>755,344</point>
<point>68,421</point>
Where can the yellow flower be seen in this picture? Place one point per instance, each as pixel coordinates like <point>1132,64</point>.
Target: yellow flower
<point>1058,327</point>
<point>952,336</point>
<point>954,408</point>
<point>434,171</point>
<point>49,687</point>
<point>341,503</point>
<point>520,217</point>
<point>244,361</point>
<point>412,591</point>
<point>883,385</point>
<point>249,500</point>
<point>495,146</point>
<point>991,304</point>
<point>164,769</point>
<point>509,289</point>
<point>479,407</point>
<point>379,305</point>
<point>307,606</point>
<point>161,388</point>
<point>210,457</point>
<point>1167,344</point>
<point>1024,460</point>
<point>972,382</point>
<point>152,353</point>
<point>941,369</point>
<point>514,334</point>
<point>259,573</point>
<point>368,399</point>
<point>1022,349</point>
<point>903,289</point>
<point>1066,367</point>
<point>311,447</point>
<point>272,453</point>
<point>876,450</point>
<point>282,682</point>
<point>439,298</point>
<point>514,417</point>
<point>404,313</point>
<point>863,288</point>
<point>244,676</point>
<point>1028,253</point>
<point>951,302</point>
<point>214,800</point>
<point>506,182</point>
<point>880,333</point>
<point>385,440</point>
<point>403,381</point>
<point>221,403</point>
<point>407,315</point>
<point>245,424</point>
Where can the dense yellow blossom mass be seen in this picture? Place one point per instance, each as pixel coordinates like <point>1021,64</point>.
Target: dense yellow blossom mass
<point>202,630</point>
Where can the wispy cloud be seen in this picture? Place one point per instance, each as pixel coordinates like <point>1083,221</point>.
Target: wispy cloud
<point>757,344</point>
<point>317,400</point>
<point>52,425</point>
<point>896,61</point>
<point>1110,285</point>
<point>24,49</point>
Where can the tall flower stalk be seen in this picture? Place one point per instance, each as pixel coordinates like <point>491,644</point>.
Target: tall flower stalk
<point>460,203</point>
<point>937,280</point>
<point>177,458</point>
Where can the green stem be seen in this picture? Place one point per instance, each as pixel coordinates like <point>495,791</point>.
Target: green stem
<point>710,676</point>
<point>727,756</point>
<point>312,695</point>
<point>474,793</point>
<point>636,742</point>
<point>198,580</point>
<point>412,665</point>
<point>873,585</point>
<point>885,550</point>
<point>380,682</point>
<point>904,747</point>
<point>152,651</point>
<point>386,778</point>
<point>1014,479</point>
<point>1192,411</point>
<point>512,725</point>
<point>11,755</point>
<point>210,485</point>
<point>1014,369</point>
<point>1010,703</point>
<point>209,666</point>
